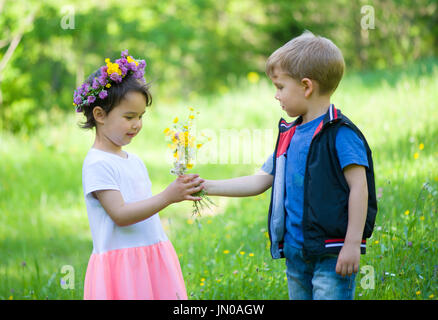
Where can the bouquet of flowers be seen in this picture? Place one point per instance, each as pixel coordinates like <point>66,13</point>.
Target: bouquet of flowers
<point>183,146</point>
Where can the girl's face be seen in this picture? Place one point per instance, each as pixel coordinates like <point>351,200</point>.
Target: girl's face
<point>124,121</point>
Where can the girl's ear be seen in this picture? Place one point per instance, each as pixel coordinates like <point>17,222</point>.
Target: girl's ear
<point>309,87</point>
<point>99,115</point>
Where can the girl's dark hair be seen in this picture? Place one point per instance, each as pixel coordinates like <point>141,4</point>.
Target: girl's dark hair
<point>116,93</point>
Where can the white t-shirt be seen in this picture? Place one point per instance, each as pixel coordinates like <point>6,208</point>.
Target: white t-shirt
<point>107,171</point>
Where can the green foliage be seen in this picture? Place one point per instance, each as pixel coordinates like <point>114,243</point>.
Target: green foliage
<point>192,48</point>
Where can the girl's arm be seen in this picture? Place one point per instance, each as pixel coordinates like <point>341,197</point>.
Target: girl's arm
<point>240,187</point>
<point>125,214</point>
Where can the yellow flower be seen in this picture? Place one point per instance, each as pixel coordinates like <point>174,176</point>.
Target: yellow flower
<point>203,279</point>
<point>113,67</point>
<point>242,252</point>
<point>253,77</point>
<point>199,145</point>
<point>11,298</point>
<point>422,218</point>
<point>226,251</point>
<point>418,292</point>
<point>376,242</point>
<point>191,109</point>
<point>191,117</point>
<point>421,146</point>
<point>251,254</point>
<point>189,165</point>
<point>218,280</point>
<point>108,85</point>
<point>431,296</point>
<point>189,221</point>
<point>129,59</point>
<point>201,284</point>
<point>416,155</point>
<point>175,120</point>
<point>407,212</point>
<point>166,130</point>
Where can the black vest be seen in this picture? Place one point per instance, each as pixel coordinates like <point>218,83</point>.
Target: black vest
<point>326,192</point>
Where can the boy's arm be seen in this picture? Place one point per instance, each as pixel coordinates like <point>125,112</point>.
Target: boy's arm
<point>240,187</point>
<point>348,260</point>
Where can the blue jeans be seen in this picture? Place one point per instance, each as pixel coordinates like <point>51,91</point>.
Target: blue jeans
<point>316,279</point>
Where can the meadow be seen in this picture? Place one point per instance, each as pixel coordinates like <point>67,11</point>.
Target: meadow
<point>224,253</point>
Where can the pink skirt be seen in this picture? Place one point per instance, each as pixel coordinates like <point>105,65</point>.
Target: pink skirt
<point>142,273</point>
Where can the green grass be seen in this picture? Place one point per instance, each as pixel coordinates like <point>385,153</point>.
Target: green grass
<point>224,254</point>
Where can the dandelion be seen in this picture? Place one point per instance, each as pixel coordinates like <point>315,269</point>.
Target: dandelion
<point>253,77</point>
<point>189,221</point>
<point>431,296</point>
<point>218,280</point>
<point>422,218</point>
<point>242,253</point>
<point>201,284</point>
<point>203,279</point>
<point>182,146</point>
<point>418,292</point>
<point>416,155</point>
<point>421,146</point>
<point>376,242</point>
<point>406,212</point>
<point>251,254</point>
<point>226,251</point>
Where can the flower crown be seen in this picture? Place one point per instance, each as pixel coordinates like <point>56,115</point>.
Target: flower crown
<point>111,73</point>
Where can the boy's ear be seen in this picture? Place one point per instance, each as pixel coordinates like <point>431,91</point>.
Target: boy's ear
<point>99,114</point>
<point>309,87</point>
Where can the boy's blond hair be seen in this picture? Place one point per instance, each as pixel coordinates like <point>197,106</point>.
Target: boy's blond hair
<point>310,56</point>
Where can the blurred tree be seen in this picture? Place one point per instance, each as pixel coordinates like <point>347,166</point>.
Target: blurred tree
<point>204,46</point>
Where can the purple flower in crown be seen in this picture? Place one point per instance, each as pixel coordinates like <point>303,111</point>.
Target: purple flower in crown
<point>96,84</point>
<point>87,93</point>
<point>116,77</point>
<point>91,99</point>
<point>124,70</point>
<point>103,94</point>
<point>77,100</point>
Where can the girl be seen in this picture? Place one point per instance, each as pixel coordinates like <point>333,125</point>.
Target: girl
<point>132,257</point>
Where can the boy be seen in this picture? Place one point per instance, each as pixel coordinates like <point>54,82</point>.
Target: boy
<point>323,202</point>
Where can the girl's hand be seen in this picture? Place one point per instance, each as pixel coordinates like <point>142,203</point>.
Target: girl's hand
<point>183,187</point>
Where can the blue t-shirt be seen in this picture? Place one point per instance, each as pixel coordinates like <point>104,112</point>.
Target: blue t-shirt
<point>350,150</point>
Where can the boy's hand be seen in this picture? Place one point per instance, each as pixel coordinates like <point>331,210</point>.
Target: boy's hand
<point>348,260</point>
<point>183,187</point>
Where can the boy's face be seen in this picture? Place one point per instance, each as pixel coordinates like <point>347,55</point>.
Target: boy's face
<point>124,121</point>
<point>290,93</point>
